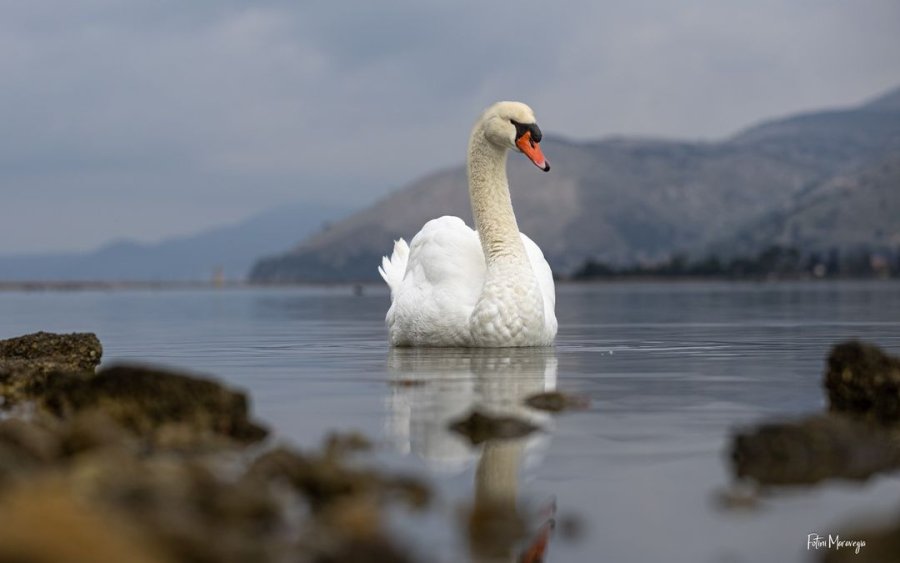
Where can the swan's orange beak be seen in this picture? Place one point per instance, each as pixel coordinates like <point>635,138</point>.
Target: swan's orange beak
<point>532,150</point>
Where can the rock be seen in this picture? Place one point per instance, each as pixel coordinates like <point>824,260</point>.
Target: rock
<point>148,465</point>
<point>169,408</point>
<point>554,401</point>
<point>44,522</point>
<point>27,361</point>
<point>190,512</point>
<point>326,479</point>
<point>347,503</point>
<point>81,351</point>
<point>45,444</point>
<point>811,450</point>
<point>377,549</point>
<point>479,427</point>
<point>861,378</point>
<point>24,450</point>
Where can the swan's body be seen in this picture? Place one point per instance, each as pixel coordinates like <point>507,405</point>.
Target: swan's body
<point>454,286</point>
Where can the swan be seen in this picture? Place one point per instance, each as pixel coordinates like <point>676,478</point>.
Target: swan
<point>489,287</point>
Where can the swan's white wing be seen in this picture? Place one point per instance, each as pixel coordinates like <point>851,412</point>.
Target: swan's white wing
<point>545,281</point>
<point>443,280</point>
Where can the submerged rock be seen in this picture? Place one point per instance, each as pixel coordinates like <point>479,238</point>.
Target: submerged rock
<point>169,408</point>
<point>814,449</point>
<point>861,378</point>
<point>479,427</point>
<point>555,401</point>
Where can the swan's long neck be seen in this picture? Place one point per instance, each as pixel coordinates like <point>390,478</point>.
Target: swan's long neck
<point>491,204</point>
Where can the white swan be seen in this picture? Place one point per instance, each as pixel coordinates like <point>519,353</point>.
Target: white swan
<point>454,286</point>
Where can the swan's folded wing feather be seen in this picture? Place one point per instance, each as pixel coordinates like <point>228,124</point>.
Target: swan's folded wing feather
<point>444,275</point>
<point>545,280</point>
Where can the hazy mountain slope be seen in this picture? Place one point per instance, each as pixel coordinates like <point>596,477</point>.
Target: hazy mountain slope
<point>890,100</point>
<point>851,211</point>
<point>619,200</point>
<point>232,248</point>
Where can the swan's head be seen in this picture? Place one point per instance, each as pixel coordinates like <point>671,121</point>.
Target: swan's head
<point>512,125</point>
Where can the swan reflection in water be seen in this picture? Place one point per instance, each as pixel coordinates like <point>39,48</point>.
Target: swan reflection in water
<point>434,387</point>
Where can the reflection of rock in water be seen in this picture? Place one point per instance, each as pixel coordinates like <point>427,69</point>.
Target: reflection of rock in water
<point>485,388</point>
<point>449,383</point>
<point>480,428</point>
<point>857,438</point>
<point>814,449</point>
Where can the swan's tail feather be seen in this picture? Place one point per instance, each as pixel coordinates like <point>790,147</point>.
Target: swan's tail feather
<point>394,268</point>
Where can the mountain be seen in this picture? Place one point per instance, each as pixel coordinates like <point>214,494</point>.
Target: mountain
<point>230,249</point>
<point>887,101</point>
<point>856,210</point>
<point>620,200</point>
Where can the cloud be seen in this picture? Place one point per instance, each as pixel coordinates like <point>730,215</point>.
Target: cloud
<point>149,118</point>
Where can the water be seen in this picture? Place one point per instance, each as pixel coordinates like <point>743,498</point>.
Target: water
<point>672,370</point>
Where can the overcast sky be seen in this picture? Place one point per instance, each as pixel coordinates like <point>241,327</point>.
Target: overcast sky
<point>144,119</point>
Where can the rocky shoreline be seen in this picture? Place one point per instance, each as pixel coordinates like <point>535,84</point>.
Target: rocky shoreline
<point>139,464</point>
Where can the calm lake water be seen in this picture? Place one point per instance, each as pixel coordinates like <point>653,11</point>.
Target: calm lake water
<point>672,371</point>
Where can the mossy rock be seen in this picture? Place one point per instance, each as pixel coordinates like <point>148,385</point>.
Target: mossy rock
<point>26,362</point>
<point>80,350</point>
<point>155,403</point>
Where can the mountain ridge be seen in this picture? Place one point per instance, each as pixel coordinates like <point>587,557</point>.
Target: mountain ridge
<point>618,200</point>
<point>229,249</point>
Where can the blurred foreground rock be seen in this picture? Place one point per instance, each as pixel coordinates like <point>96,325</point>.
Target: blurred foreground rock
<point>158,405</point>
<point>138,464</point>
<point>857,438</point>
<point>862,379</point>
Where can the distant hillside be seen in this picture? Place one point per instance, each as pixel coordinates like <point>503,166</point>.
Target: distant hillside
<point>859,209</point>
<point>620,200</point>
<point>232,249</point>
<point>888,101</point>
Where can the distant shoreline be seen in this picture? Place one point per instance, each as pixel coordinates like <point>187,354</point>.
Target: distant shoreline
<point>100,285</point>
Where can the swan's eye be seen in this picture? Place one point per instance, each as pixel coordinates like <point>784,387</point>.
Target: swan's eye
<point>522,128</point>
